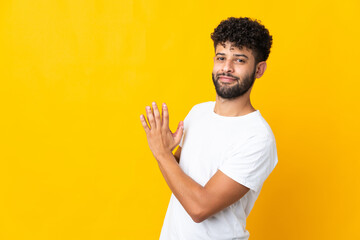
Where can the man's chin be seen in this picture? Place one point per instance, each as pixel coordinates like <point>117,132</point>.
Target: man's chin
<point>226,95</point>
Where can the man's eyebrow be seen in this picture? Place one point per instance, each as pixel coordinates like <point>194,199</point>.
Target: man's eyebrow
<point>241,55</point>
<point>236,55</point>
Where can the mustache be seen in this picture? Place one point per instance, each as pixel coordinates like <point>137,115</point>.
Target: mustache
<point>227,75</point>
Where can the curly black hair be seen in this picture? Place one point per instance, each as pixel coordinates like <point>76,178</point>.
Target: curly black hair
<point>244,32</point>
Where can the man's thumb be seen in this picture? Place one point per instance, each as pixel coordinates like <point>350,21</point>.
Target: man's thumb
<point>179,132</point>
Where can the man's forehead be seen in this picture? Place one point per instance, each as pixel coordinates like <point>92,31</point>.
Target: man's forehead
<point>232,47</point>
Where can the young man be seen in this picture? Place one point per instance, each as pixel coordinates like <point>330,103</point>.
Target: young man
<point>226,150</point>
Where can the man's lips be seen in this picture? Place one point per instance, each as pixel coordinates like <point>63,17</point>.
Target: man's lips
<point>227,79</point>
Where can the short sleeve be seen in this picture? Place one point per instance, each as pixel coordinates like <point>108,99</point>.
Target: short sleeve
<point>251,163</point>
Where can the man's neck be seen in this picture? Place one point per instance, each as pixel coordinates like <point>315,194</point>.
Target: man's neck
<point>233,107</point>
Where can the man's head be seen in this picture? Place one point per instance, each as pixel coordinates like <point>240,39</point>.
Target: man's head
<point>244,32</point>
<point>241,46</point>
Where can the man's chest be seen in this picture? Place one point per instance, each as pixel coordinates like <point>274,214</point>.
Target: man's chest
<point>206,147</point>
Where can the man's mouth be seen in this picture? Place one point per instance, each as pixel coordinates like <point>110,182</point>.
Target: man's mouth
<point>227,79</point>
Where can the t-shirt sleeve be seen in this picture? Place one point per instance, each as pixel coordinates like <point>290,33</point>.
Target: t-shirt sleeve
<point>251,163</point>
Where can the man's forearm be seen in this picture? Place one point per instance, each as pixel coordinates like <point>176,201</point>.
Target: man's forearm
<point>161,141</point>
<point>189,193</point>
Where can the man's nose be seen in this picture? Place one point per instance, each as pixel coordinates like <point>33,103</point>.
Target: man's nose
<point>228,66</point>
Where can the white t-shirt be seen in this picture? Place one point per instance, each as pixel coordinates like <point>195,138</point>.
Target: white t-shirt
<point>241,147</point>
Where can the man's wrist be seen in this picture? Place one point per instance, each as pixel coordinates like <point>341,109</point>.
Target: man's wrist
<point>164,156</point>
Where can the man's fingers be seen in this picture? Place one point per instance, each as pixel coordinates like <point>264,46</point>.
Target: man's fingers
<point>144,123</point>
<point>157,115</point>
<point>165,116</point>
<point>150,117</point>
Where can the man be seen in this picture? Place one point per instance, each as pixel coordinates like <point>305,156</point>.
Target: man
<point>226,150</point>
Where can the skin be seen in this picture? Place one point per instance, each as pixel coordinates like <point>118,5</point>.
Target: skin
<point>220,191</point>
<point>226,61</point>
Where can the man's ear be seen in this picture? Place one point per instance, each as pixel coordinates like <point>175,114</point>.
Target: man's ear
<point>260,69</point>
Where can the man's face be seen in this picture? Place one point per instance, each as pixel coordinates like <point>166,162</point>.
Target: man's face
<point>234,70</point>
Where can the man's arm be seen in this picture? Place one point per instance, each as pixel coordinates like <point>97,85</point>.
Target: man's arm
<point>200,202</point>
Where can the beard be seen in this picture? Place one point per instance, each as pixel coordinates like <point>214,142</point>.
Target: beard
<point>233,90</point>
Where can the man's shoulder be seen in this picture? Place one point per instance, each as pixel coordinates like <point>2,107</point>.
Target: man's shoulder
<point>264,129</point>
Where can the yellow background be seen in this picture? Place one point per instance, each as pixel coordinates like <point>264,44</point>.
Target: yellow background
<point>76,75</point>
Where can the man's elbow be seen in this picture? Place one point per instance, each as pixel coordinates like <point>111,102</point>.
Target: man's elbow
<point>198,218</point>
<point>202,208</point>
<point>199,215</point>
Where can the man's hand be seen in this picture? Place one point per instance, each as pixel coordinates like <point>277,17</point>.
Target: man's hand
<point>160,139</point>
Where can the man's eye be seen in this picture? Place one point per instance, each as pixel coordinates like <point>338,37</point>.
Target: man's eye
<point>240,60</point>
<point>220,58</point>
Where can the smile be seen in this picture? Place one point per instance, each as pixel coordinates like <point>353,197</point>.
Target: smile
<point>227,79</point>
